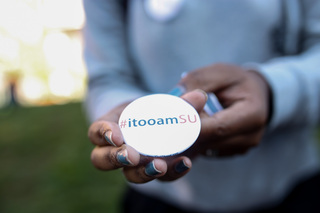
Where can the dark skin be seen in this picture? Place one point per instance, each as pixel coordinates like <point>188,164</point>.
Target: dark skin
<point>245,96</point>
<point>235,130</point>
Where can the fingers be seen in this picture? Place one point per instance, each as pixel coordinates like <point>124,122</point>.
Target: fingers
<point>103,133</point>
<point>109,158</point>
<point>136,168</point>
<point>196,98</point>
<point>177,167</point>
<point>233,120</point>
<point>146,172</point>
<point>167,169</point>
<point>211,78</point>
<point>251,139</point>
<point>111,153</point>
<point>238,144</point>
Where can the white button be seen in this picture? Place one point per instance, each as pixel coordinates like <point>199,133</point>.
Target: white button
<point>160,125</point>
<point>162,10</point>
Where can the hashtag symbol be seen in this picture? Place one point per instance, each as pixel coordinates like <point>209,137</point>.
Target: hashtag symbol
<point>123,124</point>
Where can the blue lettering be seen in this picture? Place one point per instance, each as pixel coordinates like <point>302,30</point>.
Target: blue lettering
<point>142,122</point>
<point>153,122</point>
<point>171,119</point>
<point>134,122</point>
<point>160,121</point>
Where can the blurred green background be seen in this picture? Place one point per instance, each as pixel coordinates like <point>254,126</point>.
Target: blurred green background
<point>45,163</point>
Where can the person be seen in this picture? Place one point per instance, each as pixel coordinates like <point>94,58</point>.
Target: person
<point>261,59</point>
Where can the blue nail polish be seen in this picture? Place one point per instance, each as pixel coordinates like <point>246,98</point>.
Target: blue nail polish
<point>107,136</point>
<point>122,157</point>
<point>151,169</point>
<point>212,105</point>
<point>181,167</point>
<point>177,91</point>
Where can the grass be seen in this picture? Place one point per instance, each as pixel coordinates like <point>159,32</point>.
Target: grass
<point>45,163</point>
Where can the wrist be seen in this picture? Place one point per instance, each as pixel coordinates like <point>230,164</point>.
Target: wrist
<point>266,89</point>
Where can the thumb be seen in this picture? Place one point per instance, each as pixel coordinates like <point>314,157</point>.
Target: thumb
<point>197,98</point>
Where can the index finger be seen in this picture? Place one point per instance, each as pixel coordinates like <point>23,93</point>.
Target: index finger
<point>211,78</point>
<point>196,98</point>
<point>103,133</point>
<point>236,119</point>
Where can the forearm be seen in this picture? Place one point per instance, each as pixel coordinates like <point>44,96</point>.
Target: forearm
<point>295,86</point>
<point>101,100</point>
<point>111,77</point>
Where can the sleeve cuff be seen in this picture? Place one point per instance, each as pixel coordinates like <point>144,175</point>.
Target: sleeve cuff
<point>284,85</point>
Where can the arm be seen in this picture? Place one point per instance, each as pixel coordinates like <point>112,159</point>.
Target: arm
<point>295,80</point>
<point>289,84</point>
<point>111,78</point>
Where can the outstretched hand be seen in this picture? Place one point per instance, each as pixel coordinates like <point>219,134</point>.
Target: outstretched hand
<point>112,153</point>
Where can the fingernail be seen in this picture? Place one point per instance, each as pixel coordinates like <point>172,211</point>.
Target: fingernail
<point>151,170</point>
<point>107,136</point>
<point>212,105</point>
<point>177,91</point>
<point>181,167</point>
<point>203,92</point>
<point>122,157</point>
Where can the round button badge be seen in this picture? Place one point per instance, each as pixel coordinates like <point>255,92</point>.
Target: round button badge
<point>160,125</point>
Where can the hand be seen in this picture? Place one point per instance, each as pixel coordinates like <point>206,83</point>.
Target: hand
<point>111,153</point>
<point>245,97</point>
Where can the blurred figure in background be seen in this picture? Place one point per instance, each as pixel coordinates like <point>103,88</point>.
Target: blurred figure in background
<point>261,59</point>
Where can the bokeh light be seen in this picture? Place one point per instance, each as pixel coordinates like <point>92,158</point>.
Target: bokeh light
<point>56,47</point>
<point>62,14</point>
<point>21,21</point>
<point>61,83</point>
<point>41,52</point>
<point>32,88</point>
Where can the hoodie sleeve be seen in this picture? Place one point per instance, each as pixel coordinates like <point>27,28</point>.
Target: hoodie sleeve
<point>295,80</point>
<point>111,78</point>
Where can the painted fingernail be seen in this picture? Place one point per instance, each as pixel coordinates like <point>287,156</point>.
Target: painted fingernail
<point>177,91</point>
<point>151,170</point>
<point>122,157</point>
<point>181,167</point>
<point>203,92</point>
<point>212,105</point>
<point>108,138</point>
